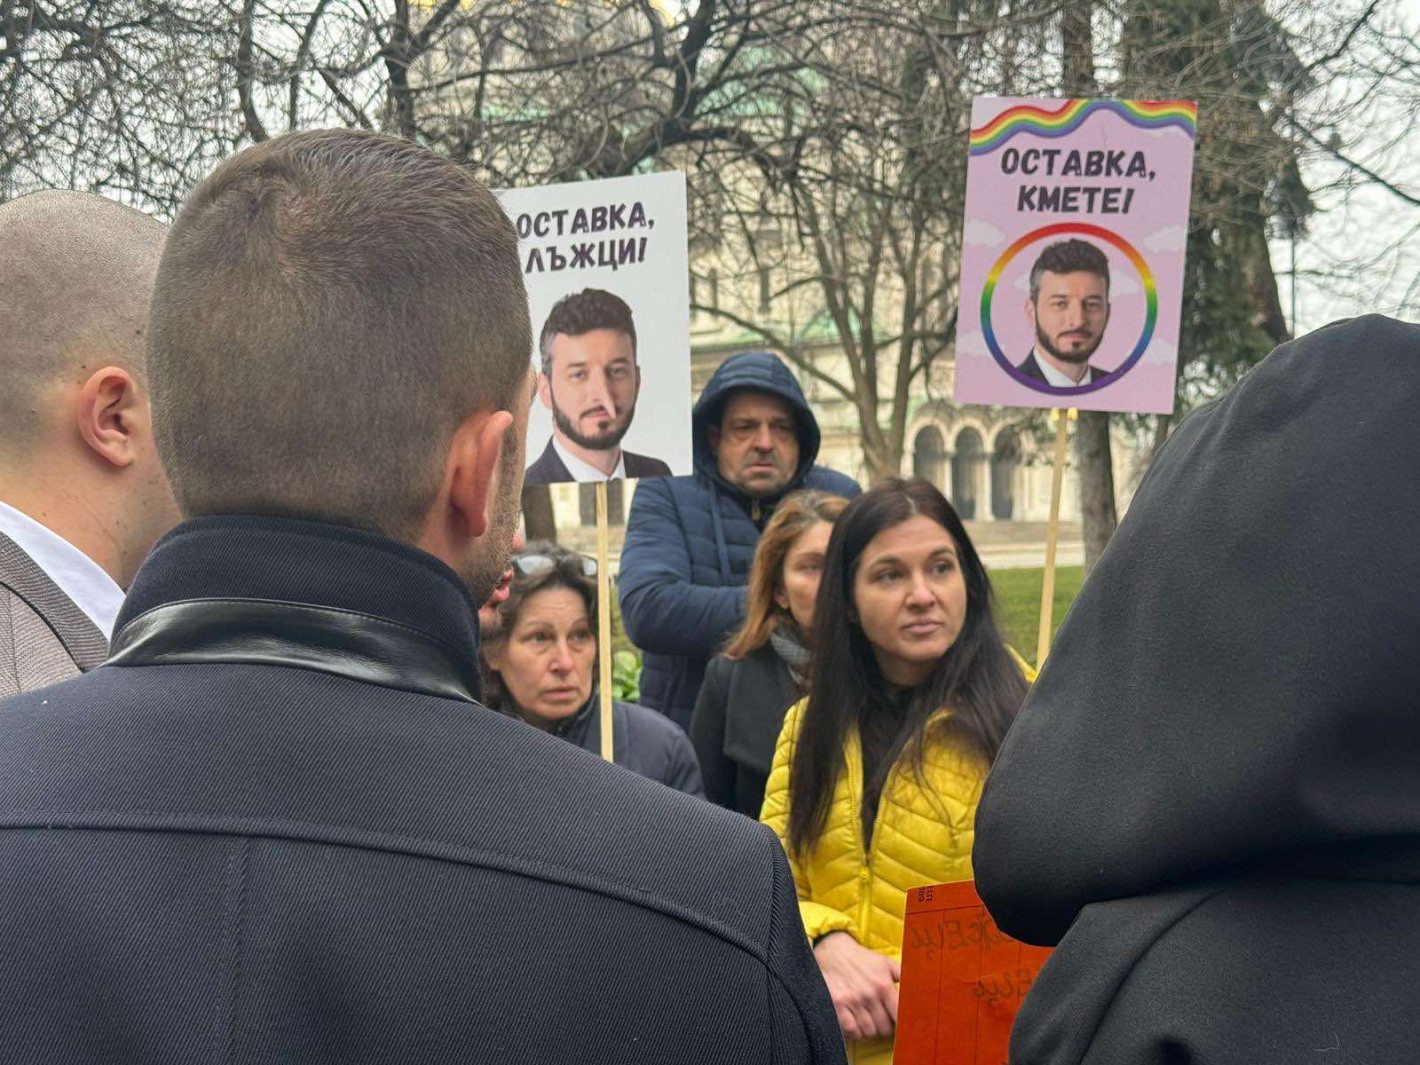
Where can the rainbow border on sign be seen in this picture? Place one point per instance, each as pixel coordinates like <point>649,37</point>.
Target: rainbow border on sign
<point>1072,114</point>
<point>1151,309</point>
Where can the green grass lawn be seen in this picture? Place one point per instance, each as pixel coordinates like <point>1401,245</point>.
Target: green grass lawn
<point>1018,603</point>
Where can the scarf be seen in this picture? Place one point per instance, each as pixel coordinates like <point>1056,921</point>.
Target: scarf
<point>791,650</point>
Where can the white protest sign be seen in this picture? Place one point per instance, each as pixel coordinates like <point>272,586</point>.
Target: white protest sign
<point>607,273</point>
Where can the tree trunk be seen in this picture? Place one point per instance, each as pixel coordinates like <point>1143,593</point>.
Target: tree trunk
<point>880,460</point>
<point>880,470</point>
<point>1261,279</point>
<point>1098,516</point>
<point>538,520</point>
<point>1163,425</point>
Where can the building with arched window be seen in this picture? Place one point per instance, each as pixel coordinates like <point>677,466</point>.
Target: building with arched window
<point>968,464</point>
<point>1005,458</point>
<point>929,456</point>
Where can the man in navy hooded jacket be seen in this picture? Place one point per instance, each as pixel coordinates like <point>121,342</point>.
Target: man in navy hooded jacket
<point>690,540</point>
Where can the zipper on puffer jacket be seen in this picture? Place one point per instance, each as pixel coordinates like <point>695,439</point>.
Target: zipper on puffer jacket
<point>865,848</point>
<point>722,552</point>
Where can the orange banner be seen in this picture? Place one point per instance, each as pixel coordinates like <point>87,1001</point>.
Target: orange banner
<point>962,980</point>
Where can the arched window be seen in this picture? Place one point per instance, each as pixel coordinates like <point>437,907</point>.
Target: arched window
<point>1004,461</point>
<point>969,455</point>
<point>929,456</point>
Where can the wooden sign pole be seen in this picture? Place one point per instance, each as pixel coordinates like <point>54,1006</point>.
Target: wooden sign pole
<point>604,621</point>
<point>1047,588</point>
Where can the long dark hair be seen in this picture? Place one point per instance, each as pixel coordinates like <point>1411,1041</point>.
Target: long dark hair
<point>977,677</point>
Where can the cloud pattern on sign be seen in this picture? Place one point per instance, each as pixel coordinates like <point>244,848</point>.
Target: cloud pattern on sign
<point>1170,238</point>
<point>1161,351</point>
<point>982,233</point>
<point>1123,284</point>
<point>971,345</point>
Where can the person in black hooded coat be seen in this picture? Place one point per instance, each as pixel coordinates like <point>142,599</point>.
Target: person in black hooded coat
<point>1211,799</point>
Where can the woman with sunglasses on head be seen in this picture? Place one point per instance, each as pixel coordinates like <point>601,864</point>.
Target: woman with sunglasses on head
<point>540,666</point>
<point>877,773</point>
<point>764,670</point>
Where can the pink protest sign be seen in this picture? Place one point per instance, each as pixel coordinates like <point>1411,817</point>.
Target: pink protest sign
<point>1073,251</point>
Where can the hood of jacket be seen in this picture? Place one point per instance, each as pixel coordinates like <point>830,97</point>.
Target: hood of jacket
<point>757,371</point>
<point>1237,682</point>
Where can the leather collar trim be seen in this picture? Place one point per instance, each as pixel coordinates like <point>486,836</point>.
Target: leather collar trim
<point>343,643</point>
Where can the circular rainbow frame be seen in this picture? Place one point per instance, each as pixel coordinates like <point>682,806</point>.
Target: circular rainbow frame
<point>1151,315</point>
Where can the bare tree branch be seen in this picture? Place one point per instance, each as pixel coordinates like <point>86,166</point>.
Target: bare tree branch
<point>255,130</point>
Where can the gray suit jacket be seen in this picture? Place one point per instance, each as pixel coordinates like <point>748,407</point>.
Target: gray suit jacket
<point>44,637</point>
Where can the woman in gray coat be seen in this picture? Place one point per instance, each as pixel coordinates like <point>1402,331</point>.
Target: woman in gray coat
<point>540,665</point>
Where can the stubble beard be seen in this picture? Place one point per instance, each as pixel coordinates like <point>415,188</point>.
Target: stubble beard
<point>1075,358</point>
<point>603,441</point>
<point>761,490</point>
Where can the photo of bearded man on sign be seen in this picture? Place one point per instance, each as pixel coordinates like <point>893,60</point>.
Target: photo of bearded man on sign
<point>589,380</point>
<point>1069,310</point>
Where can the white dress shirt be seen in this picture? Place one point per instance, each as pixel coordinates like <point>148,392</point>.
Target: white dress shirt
<point>1055,378</point>
<point>78,576</point>
<point>583,471</point>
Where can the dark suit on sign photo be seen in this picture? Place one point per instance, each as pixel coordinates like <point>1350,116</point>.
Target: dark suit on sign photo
<point>1031,368</point>
<point>44,636</point>
<point>276,825</point>
<point>550,469</point>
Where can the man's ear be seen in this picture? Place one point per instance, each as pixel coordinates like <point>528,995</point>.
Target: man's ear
<point>544,389</point>
<point>472,468</point>
<point>1030,311</point>
<point>109,406</point>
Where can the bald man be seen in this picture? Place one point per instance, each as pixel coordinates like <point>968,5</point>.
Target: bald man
<point>82,494</point>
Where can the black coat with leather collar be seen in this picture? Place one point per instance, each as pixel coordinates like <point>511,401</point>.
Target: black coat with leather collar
<point>277,826</point>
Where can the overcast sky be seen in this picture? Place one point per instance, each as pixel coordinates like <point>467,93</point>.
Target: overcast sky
<point>1363,252</point>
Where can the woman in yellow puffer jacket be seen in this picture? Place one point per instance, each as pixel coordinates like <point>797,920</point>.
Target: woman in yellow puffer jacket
<point>877,773</point>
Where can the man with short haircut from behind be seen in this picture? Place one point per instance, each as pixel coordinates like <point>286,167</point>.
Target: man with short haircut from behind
<point>82,494</point>
<point>277,826</point>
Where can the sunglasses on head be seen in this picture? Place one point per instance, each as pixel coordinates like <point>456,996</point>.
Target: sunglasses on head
<point>528,565</point>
